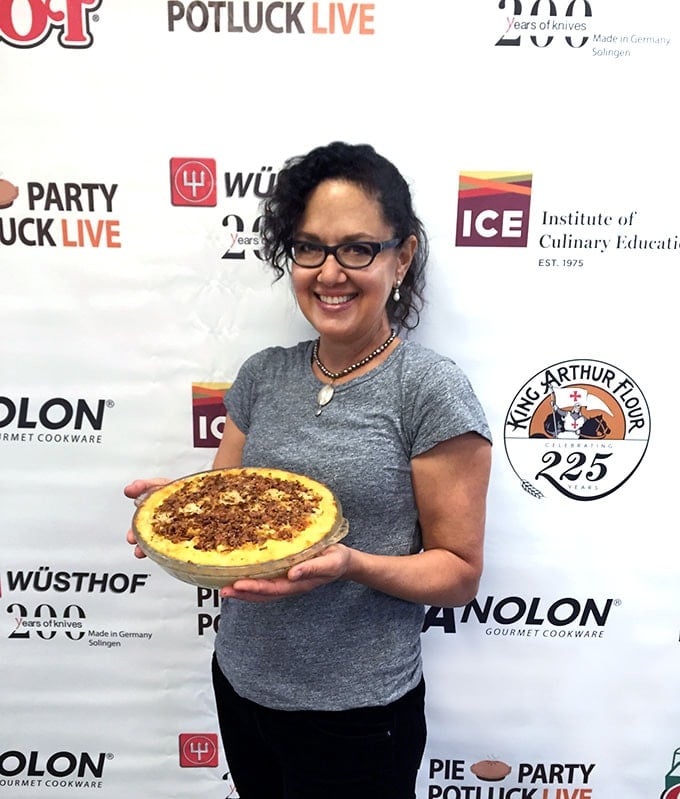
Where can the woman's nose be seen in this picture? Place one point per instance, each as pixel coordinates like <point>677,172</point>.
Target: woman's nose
<point>331,272</point>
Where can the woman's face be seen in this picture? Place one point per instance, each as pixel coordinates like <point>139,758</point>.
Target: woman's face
<point>348,305</point>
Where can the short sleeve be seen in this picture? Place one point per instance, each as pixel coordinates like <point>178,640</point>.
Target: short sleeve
<point>238,399</point>
<point>443,405</point>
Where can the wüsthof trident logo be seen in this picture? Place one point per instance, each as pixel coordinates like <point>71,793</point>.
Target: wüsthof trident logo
<point>198,750</point>
<point>193,181</point>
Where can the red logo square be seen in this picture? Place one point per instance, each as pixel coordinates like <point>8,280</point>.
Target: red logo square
<point>193,181</point>
<point>198,750</point>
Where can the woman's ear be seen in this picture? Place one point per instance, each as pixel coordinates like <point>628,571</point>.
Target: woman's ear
<point>406,254</point>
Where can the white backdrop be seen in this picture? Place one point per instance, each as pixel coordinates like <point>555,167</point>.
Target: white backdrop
<point>540,143</point>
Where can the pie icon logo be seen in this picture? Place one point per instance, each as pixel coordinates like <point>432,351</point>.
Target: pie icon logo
<point>8,193</point>
<point>490,770</point>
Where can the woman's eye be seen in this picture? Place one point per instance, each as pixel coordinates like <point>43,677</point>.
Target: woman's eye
<point>304,247</point>
<point>357,248</point>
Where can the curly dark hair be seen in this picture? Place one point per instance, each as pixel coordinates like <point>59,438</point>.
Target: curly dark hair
<point>378,177</point>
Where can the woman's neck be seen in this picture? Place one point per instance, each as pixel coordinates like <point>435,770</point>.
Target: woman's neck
<point>337,355</point>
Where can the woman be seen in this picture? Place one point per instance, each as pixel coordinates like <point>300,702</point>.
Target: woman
<point>318,675</point>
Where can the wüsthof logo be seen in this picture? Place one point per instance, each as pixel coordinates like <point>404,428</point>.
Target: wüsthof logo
<point>580,427</point>
<point>198,750</point>
<point>193,181</point>
<point>541,26</point>
<point>493,209</point>
<point>29,24</point>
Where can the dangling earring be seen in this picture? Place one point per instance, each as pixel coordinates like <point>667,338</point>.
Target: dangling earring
<point>396,296</point>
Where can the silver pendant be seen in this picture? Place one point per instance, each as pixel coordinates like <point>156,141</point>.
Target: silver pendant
<point>324,396</point>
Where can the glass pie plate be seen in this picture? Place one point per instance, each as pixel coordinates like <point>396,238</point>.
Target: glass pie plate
<point>215,575</point>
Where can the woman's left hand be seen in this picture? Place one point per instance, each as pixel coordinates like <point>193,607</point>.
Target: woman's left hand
<point>327,567</point>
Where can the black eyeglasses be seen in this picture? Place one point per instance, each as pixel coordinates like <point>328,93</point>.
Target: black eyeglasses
<point>352,255</point>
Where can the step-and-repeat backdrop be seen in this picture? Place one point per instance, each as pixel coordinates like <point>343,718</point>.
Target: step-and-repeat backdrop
<point>540,138</point>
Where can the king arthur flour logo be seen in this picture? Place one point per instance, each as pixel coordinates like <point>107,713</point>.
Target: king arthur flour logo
<point>578,427</point>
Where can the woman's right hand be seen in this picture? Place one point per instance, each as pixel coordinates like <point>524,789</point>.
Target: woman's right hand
<point>137,490</point>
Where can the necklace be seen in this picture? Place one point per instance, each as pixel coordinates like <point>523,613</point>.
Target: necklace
<point>327,391</point>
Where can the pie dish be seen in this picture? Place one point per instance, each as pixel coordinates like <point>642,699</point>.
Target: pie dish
<point>212,528</point>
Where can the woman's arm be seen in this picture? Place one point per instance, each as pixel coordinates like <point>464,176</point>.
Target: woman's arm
<point>230,450</point>
<point>450,483</point>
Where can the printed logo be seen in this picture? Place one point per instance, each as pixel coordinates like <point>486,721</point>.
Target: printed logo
<point>450,779</point>
<point>522,617</point>
<point>493,209</point>
<point>8,193</point>
<point>672,783</point>
<point>28,24</point>
<point>43,227</point>
<point>580,427</point>
<point>563,25</point>
<point>39,609</point>
<point>193,181</point>
<point>242,222</point>
<point>325,18</point>
<point>64,769</point>
<point>57,420</point>
<point>207,400</point>
<point>541,26</point>
<point>208,606</point>
<point>198,750</point>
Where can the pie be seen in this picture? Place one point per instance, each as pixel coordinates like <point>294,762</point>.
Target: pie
<point>236,517</point>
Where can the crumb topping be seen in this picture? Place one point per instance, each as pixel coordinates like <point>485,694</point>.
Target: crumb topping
<point>225,511</point>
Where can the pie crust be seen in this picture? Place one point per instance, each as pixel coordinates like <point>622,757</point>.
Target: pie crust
<point>229,523</point>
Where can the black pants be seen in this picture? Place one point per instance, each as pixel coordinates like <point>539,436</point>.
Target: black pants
<point>365,753</point>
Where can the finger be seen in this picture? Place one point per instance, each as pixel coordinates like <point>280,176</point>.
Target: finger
<point>321,567</point>
<point>131,539</point>
<point>138,487</point>
<point>135,488</point>
<point>261,590</point>
<point>264,587</point>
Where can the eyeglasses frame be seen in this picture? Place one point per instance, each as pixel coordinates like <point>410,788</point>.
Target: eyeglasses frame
<point>376,247</point>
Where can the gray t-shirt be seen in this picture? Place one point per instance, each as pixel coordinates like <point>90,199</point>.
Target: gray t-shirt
<point>342,645</point>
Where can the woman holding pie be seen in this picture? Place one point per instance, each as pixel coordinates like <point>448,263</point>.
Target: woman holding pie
<point>318,674</point>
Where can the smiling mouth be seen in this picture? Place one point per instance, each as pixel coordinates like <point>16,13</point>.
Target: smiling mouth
<point>334,299</point>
